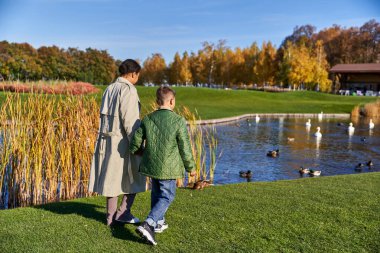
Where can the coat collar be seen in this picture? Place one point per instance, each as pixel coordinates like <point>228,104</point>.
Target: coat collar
<point>165,108</point>
<point>123,80</point>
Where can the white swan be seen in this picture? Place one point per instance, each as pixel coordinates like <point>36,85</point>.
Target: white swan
<point>371,124</point>
<point>308,123</point>
<point>318,133</point>
<point>257,118</point>
<point>320,115</point>
<point>351,129</point>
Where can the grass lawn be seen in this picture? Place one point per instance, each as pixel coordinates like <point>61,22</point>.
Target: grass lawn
<point>327,214</point>
<point>214,103</point>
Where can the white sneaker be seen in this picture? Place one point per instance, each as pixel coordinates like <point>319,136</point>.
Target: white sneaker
<point>161,227</point>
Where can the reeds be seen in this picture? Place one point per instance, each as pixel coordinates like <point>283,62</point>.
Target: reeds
<point>371,110</point>
<point>355,112</point>
<point>202,140</point>
<point>47,142</point>
<point>46,148</point>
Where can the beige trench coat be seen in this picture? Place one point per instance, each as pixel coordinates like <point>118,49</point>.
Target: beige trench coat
<point>114,170</point>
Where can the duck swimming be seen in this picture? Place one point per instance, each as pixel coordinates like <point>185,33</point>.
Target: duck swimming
<point>351,129</point>
<point>273,153</point>
<point>371,124</point>
<point>315,172</point>
<point>370,164</point>
<point>318,133</point>
<point>320,115</point>
<point>359,167</point>
<point>245,174</point>
<point>303,170</point>
<point>308,123</point>
<point>257,118</point>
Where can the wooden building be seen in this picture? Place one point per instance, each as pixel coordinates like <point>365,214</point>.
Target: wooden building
<point>361,79</point>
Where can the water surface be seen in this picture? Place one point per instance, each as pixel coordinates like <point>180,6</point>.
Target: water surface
<point>244,145</point>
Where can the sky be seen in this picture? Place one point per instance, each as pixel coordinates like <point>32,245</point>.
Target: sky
<point>136,29</point>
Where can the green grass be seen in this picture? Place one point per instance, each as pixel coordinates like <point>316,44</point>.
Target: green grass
<point>213,103</point>
<point>327,214</point>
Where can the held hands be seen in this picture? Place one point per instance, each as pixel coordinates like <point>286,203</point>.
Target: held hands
<point>193,173</point>
<point>139,152</point>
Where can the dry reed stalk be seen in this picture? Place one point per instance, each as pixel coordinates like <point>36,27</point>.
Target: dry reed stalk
<point>355,112</point>
<point>47,146</point>
<point>372,110</point>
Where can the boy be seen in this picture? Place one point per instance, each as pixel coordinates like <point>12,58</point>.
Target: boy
<point>167,151</point>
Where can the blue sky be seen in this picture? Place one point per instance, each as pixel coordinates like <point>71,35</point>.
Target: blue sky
<point>136,29</point>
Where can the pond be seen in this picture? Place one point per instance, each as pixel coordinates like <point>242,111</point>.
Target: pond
<point>244,145</point>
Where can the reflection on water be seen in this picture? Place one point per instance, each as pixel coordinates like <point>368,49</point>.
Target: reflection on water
<point>245,145</point>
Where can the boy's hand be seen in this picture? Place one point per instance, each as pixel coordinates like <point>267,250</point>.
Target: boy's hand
<point>139,152</point>
<point>193,173</point>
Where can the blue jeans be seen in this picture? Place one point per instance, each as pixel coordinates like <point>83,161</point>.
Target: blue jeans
<point>163,193</point>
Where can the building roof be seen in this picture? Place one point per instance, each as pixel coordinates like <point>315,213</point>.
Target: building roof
<point>356,68</point>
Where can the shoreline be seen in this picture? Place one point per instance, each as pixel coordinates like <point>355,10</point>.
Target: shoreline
<point>270,115</point>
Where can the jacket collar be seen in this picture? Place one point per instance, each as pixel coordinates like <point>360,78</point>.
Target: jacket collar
<point>165,108</point>
<point>123,80</point>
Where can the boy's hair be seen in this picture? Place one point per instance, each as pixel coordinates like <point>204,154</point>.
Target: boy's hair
<point>129,66</point>
<point>164,93</point>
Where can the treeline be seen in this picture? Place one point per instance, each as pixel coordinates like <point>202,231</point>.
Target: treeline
<point>23,62</point>
<point>302,59</point>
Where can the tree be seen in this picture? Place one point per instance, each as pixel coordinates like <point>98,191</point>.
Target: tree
<point>154,70</point>
<point>265,67</point>
<point>320,68</point>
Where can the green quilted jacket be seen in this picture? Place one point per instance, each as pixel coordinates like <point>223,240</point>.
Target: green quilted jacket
<point>167,149</point>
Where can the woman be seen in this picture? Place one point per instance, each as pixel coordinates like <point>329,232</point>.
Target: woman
<point>114,171</point>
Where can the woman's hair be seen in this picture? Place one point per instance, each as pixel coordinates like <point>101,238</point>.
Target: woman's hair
<point>129,66</point>
<point>164,93</point>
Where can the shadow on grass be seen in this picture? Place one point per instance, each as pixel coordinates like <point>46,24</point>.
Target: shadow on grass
<point>89,211</point>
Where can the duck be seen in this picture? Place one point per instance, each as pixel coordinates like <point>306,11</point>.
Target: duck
<point>320,115</point>
<point>351,129</point>
<point>245,174</point>
<point>200,184</point>
<point>371,124</point>
<point>315,172</point>
<point>340,124</point>
<point>273,153</point>
<point>257,118</point>
<point>318,133</point>
<point>370,164</point>
<point>290,139</point>
<point>303,170</point>
<point>359,166</point>
<point>308,123</point>
<point>363,139</point>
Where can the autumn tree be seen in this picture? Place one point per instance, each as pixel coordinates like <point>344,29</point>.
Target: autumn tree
<point>154,70</point>
<point>265,67</point>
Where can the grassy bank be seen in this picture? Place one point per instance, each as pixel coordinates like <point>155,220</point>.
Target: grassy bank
<point>326,214</point>
<point>212,103</point>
